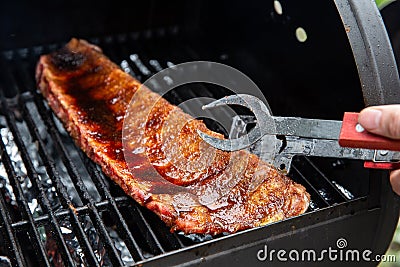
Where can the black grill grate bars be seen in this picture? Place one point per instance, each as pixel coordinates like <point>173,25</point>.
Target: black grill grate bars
<point>56,207</point>
<point>22,202</point>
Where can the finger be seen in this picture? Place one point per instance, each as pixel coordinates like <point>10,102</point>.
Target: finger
<point>395,181</point>
<point>383,120</point>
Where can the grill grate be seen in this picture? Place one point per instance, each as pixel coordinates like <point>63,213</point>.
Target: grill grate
<point>81,217</point>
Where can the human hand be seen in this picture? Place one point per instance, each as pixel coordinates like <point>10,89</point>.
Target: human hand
<point>384,120</point>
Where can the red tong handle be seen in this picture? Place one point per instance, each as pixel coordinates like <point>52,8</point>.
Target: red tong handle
<point>353,135</point>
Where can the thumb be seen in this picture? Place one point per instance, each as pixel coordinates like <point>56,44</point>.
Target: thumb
<point>395,181</point>
<point>382,120</point>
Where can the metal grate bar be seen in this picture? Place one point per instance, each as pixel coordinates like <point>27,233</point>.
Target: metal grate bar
<point>122,227</point>
<point>168,240</point>
<point>64,213</point>
<point>102,188</point>
<point>146,230</point>
<point>178,240</point>
<point>135,71</point>
<point>34,178</point>
<point>82,190</point>
<point>188,92</point>
<point>23,204</point>
<point>339,193</point>
<point>314,192</point>
<point>175,241</point>
<point>10,239</point>
<point>203,89</point>
<point>61,190</point>
<point>142,233</point>
<point>325,188</point>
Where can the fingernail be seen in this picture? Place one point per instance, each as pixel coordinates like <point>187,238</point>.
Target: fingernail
<point>369,118</point>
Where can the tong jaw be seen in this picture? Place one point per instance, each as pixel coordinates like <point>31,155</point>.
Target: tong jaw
<point>307,137</point>
<point>264,122</point>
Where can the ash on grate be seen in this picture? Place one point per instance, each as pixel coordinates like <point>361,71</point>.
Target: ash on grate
<point>96,244</point>
<point>73,245</point>
<point>72,153</point>
<point>22,175</point>
<point>344,191</point>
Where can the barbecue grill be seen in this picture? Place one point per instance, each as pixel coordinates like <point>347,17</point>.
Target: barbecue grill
<point>58,209</point>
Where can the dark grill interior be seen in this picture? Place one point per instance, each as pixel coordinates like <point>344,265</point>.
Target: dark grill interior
<point>81,216</point>
<point>58,209</point>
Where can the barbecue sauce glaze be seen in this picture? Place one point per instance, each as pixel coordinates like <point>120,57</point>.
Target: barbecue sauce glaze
<point>152,150</point>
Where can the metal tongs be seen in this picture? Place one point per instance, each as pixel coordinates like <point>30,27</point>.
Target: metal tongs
<point>279,139</point>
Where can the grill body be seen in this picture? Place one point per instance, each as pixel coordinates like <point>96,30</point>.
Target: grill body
<point>54,196</point>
